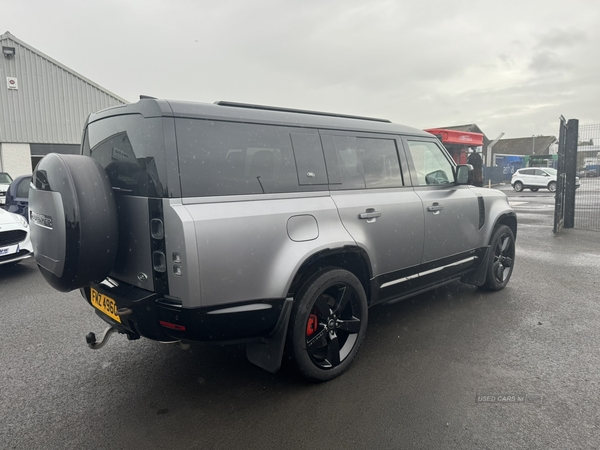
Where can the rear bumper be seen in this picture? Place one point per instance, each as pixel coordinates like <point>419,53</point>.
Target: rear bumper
<point>155,317</point>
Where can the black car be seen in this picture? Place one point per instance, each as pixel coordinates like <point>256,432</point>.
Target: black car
<point>17,196</point>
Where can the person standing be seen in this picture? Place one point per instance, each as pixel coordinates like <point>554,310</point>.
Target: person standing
<point>475,160</point>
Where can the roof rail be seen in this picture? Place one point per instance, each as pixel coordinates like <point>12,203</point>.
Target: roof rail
<point>297,111</point>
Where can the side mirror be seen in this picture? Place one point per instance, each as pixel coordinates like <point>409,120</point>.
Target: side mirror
<point>464,174</point>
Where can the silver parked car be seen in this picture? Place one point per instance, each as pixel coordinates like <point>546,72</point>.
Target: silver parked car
<point>273,227</point>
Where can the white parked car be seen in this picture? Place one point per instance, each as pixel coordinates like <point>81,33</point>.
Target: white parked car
<point>536,178</point>
<point>5,181</point>
<point>15,244</point>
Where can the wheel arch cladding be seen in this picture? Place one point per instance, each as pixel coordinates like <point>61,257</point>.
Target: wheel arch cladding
<point>510,220</point>
<point>352,259</point>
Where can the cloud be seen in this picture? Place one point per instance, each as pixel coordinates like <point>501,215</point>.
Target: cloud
<point>503,65</point>
<point>546,60</point>
<point>557,38</point>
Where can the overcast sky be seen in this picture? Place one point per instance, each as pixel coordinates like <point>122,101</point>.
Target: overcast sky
<point>511,66</point>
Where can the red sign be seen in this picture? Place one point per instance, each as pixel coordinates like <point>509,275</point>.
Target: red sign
<point>458,137</point>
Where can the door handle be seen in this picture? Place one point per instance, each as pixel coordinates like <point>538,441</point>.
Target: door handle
<point>369,214</point>
<point>435,208</point>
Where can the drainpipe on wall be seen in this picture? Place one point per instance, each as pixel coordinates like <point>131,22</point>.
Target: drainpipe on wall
<point>488,157</point>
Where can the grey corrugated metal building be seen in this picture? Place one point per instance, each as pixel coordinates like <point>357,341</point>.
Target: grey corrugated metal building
<point>43,106</point>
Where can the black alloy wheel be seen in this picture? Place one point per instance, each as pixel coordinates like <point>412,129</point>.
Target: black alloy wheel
<point>328,324</point>
<point>552,186</point>
<point>518,186</point>
<point>501,260</point>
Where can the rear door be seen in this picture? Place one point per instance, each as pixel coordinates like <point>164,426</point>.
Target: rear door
<point>528,177</point>
<point>451,211</point>
<point>541,178</point>
<point>382,213</point>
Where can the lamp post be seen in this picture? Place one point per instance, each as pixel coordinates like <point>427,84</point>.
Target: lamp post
<point>533,145</point>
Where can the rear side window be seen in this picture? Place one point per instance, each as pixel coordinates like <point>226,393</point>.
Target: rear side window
<point>131,150</point>
<point>363,162</point>
<point>224,158</point>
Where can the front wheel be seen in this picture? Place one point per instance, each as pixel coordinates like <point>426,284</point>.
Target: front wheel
<point>518,186</point>
<point>328,324</point>
<point>501,260</point>
<point>552,186</point>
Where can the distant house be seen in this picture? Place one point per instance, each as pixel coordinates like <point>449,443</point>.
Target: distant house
<point>533,145</point>
<point>43,106</point>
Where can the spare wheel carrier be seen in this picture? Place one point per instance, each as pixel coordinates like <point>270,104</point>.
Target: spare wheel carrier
<point>73,219</point>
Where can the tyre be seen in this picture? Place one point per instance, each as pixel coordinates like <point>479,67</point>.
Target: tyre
<point>73,221</point>
<point>501,259</point>
<point>518,186</point>
<point>535,189</point>
<point>327,324</point>
<point>552,186</point>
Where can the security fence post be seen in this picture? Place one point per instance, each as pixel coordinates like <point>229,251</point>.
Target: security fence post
<point>570,171</point>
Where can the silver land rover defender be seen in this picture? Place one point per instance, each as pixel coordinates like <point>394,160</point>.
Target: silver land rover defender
<point>278,228</point>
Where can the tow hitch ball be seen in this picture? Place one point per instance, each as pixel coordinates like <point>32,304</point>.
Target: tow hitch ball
<point>96,343</point>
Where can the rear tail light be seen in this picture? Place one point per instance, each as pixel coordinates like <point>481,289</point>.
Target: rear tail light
<point>157,229</point>
<point>159,261</point>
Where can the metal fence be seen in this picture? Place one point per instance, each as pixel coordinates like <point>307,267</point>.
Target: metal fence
<point>587,199</point>
<point>560,196</point>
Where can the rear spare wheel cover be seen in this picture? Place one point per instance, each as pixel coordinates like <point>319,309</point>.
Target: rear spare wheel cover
<point>73,219</point>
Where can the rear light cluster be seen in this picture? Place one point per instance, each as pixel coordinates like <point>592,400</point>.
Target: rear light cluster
<point>157,230</point>
<point>159,260</point>
<point>158,245</point>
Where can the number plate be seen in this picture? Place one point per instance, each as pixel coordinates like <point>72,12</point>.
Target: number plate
<point>105,304</point>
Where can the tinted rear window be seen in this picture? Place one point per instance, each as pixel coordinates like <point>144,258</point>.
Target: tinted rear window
<point>223,158</point>
<point>23,188</point>
<point>360,163</point>
<point>131,150</point>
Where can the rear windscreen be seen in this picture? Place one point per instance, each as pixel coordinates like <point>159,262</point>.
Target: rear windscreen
<point>131,150</point>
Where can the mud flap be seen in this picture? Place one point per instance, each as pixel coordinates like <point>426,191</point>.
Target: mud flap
<point>269,353</point>
<point>478,277</point>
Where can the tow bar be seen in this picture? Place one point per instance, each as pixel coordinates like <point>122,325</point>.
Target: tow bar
<point>94,343</point>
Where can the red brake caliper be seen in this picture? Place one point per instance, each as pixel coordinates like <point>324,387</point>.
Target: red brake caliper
<point>313,323</point>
